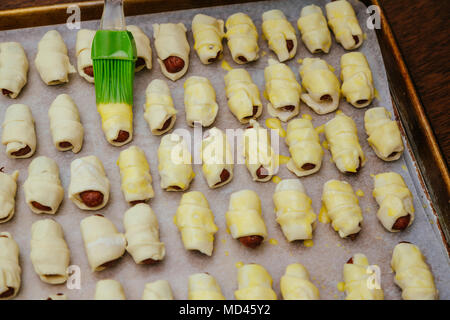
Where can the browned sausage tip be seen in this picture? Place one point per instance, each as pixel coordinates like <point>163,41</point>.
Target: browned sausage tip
<point>251,241</point>
<point>91,198</point>
<point>174,64</point>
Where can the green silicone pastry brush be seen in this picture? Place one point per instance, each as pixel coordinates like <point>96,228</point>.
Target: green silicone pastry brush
<point>114,56</point>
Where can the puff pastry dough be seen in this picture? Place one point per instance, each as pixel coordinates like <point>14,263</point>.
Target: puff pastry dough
<point>142,234</point>
<point>342,137</point>
<point>109,289</point>
<point>160,112</point>
<point>174,163</point>
<point>50,254</point>
<point>242,38</point>
<point>313,27</point>
<point>342,208</point>
<point>200,101</point>
<point>10,270</point>
<point>280,34</point>
<point>195,220</point>
<point>357,80</point>
<point>384,134</point>
<point>255,283</point>
<point>66,128</point>
<point>13,68</point>
<point>412,273</point>
<point>157,290</point>
<point>52,61</point>
<point>295,284</point>
<point>208,34</point>
<point>203,286</point>
<point>8,189</point>
<point>283,91</point>
<point>243,95</point>
<point>43,190</point>
<point>83,51</point>
<point>102,242</point>
<point>304,147</point>
<point>395,200</point>
<point>342,20</point>
<point>144,51</point>
<point>18,132</point>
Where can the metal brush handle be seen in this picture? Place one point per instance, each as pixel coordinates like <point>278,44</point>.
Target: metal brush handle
<point>113,17</point>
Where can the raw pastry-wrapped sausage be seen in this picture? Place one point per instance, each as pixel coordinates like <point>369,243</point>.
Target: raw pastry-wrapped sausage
<point>142,234</point>
<point>313,27</point>
<point>109,289</point>
<point>345,25</point>
<point>208,34</point>
<point>174,163</point>
<point>242,38</point>
<point>89,186</point>
<point>52,61</point>
<point>203,286</point>
<point>321,85</point>
<point>255,283</point>
<point>283,91</point>
<point>172,48</point>
<point>342,208</point>
<point>159,110</point>
<point>10,270</point>
<point>396,211</point>
<point>135,174</point>
<point>384,134</point>
<point>13,68</point>
<point>295,284</point>
<point>244,219</point>
<point>102,242</point>
<point>357,81</point>
<point>342,136</point>
<point>412,273</point>
<point>304,147</point>
<point>158,290</point>
<point>43,189</point>
<point>83,50</point>
<point>195,221</point>
<point>143,49</point>
<point>280,34</point>
<point>18,132</point>
<point>293,209</point>
<point>49,252</point>
<point>67,130</point>
<point>243,95</point>
<point>8,189</point>
<point>200,101</point>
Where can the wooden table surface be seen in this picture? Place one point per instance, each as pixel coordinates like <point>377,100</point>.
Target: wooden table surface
<point>422,31</point>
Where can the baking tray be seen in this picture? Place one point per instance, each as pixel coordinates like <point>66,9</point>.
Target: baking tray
<point>324,260</point>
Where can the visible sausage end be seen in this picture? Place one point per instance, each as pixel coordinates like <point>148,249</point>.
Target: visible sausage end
<point>21,152</point>
<point>89,71</point>
<point>91,198</point>
<point>122,136</point>
<point>224,176</point>
<point>362,101</point>
<point>350,261</point>
<point>65,144</point>
<point>262,173</point>
<point>39,206</point>
<point>7,293</point>
<point>289,45</point>
<point>6,92</point>
<point>149,261</point>
<point>308,166</point>
<point>288,108</point>
<point>326,98</point>
<point>402,222</point>
<point>242,58</point>
<point>135,202</point>
<point>166,124</point>
<point>173,64</point>
<point>139,62</point>
<point>356,38</point>
<point>251,241</point>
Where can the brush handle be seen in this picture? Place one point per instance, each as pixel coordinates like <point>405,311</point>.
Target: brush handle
<point>113,17</point>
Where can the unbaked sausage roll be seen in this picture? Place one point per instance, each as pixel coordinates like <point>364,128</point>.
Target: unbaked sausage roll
<point>304,147</point>
<point>357,80</point>
<point>217,158</point>
<point>200,101</point>
<point>293,209</point>
<point>396,211</point>
<point>242,38</point>
<point>102,242</point>
<point>43,190</point>
<point>244,218</point>
<point>203,286</point>
<point>195,220</point>
<point>50,254</point>
<point>160,112</point>
<point>142,235</point>
<point>321,85</point>
<point>89,186</point>
<point>157,290</point>
<point>10,270</point>
<point>174,163</point>
<point>65,126</point>
<point>208,34</point>
<point>57,296</point>
<point>243,95</point>
<point>357,280</point>
<point>412,273</point>
<point>342,137</point>
<point>83,51</point>
<point>52,61</point>
<point>135,173</point>
<point>384,134</point>
<point>280,34</point>
<point>172,48</point>
<point>143,49</point>
<point>296,285</point>
<point>260,158</point>
<point>254,283</point>
<point>8,189</point>
<point>342,20</point>
<point>283,91</point>
<point>13,68</point>
<point>109,289</point>
<point>314,29</point>
<point>342,207</point>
